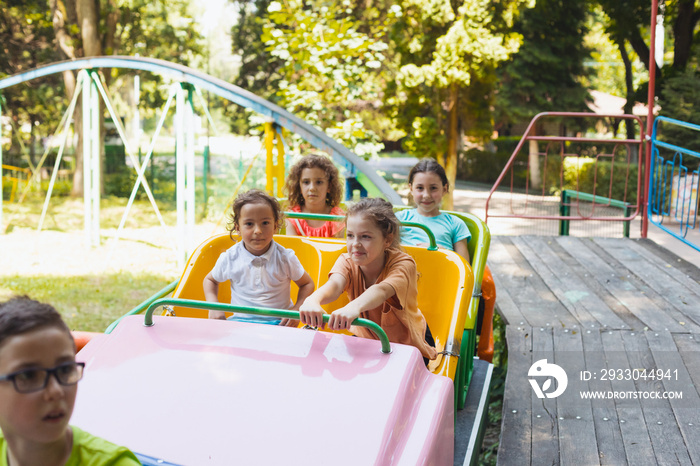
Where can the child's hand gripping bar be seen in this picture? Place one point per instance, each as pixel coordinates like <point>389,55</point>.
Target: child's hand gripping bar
<point>281,313</point>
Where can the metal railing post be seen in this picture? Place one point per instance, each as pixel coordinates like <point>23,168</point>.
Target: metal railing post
<point>564,211</point>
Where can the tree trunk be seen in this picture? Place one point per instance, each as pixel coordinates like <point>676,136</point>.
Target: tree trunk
<point>88,20</point>
<point>452,144</point>
<point>683,33</point>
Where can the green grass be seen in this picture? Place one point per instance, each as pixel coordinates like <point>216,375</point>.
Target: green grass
<point>489,449</point>
<point>88,303</point>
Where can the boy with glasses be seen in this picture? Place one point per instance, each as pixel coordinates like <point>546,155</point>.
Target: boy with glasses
<point>38,385</point>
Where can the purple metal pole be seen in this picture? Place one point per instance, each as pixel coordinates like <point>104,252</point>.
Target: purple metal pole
<point>650,116</point>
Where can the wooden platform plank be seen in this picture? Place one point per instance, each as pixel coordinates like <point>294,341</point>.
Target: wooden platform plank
<point>628,295</point>
<point>686,410</point>
<point>577,438</point>
<point>673,292</point>
<point>516,427</point>
<point>690,278</point>
<point>590,280</point>
<point>634,431</point>
<point>666,439</point>
<point>689,349</point>
<point>566,284</point>
<point>545,430</point>
<point>532,297</point>
<point>605,420</point>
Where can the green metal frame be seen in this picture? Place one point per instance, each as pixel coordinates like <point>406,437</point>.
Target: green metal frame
<point>337,218</point>
<point>478,253</point>
<point>144,305</point>
<point>565,209</point>
<point>281,313</point>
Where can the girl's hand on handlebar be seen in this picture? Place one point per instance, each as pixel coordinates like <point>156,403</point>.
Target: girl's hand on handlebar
<point>312,314</point>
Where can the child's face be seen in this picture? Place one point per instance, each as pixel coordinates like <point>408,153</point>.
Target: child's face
<point>41,416</point>
<point>365,241</point>
<point>257,226</point>
<point>427,191</point>
<point>314,188</point>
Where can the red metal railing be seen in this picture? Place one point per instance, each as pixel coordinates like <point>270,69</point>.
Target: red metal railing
<point>543,166</point>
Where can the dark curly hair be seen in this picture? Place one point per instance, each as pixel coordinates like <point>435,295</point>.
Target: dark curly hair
<point>253,196</point>
<point>22,314</point>
<point>381,213</point>
<point>335,187</point>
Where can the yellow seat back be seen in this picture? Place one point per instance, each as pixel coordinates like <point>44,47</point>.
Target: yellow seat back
<point>204,258</point>
<point>444,287</point>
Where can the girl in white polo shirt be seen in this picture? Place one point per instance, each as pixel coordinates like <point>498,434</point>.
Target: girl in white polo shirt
<point>259,269</point>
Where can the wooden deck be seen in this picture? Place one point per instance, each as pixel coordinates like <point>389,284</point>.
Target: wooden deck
<point>597,304</point>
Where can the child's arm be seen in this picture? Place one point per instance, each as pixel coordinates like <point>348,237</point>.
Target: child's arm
<point>375,295</point>
<point>340,234</point>
<point>290,228</point>
<point>311,311</point>
<point>211,294</point>
<point>306,287</point>
<point>462,250</point>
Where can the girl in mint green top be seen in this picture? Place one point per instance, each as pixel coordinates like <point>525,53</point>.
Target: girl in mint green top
<point>428,184</point>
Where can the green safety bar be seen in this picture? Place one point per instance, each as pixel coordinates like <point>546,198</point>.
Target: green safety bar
<point>565,209</point>
<point>281,313</point>
<point>337,218</point>
<point>142,307</point>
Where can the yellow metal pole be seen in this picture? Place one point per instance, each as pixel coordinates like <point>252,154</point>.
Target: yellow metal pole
<point>280,161</point>
<point>269,164</point>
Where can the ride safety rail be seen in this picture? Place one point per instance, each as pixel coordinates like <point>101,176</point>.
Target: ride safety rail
<point>542,166</point>
<point>570,198</point>
<point>674,179</point>
<point>337,218</point>
<point>280,313</point>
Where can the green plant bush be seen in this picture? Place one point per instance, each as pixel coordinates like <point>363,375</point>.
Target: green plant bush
<point>484,167</point>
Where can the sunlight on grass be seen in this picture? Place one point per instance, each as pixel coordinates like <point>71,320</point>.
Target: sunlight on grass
<point>66,214</point>
<point>88,303</point>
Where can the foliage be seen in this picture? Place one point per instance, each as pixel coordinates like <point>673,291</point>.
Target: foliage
<point>484,167</point>
<point>492,434</point>
<point>545,74</point>
<point>87,303</point>
<point>587,176</point>
<point>328,67</point>
<point>447,58</point>
<point>608,74</point>
<point>26,35</point>
<point>680,99</point>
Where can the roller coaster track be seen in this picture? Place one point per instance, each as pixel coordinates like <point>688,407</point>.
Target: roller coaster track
<point>235,94</point>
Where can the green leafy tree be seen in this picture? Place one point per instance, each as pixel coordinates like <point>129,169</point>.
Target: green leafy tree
<point>447,55</point>
<point>157,29</point>
<point>545,74</point>
<point>26,35</point>
<point>329,67</point>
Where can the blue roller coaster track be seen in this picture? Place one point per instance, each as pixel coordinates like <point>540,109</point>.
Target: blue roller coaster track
<point>235,94</point>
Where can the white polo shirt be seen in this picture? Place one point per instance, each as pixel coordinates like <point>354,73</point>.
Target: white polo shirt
<point>259,281</point>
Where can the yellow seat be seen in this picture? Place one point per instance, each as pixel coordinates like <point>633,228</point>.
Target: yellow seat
<point>205,256</point>
<point>444,288</point>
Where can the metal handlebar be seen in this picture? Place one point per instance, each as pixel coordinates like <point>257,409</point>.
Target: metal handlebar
<point>337,218</point>
<point>281,313</point>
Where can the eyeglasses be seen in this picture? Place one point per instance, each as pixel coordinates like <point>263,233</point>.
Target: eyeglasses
<point>33,380</point>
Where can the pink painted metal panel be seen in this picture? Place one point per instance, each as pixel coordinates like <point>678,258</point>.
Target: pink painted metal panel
<point>198,391</point>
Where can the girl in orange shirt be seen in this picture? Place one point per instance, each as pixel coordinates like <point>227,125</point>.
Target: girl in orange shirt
<point>380,279</point>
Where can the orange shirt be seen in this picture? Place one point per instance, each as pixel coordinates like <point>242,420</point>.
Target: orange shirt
<point>399,315</point>
<point>327,230</point>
